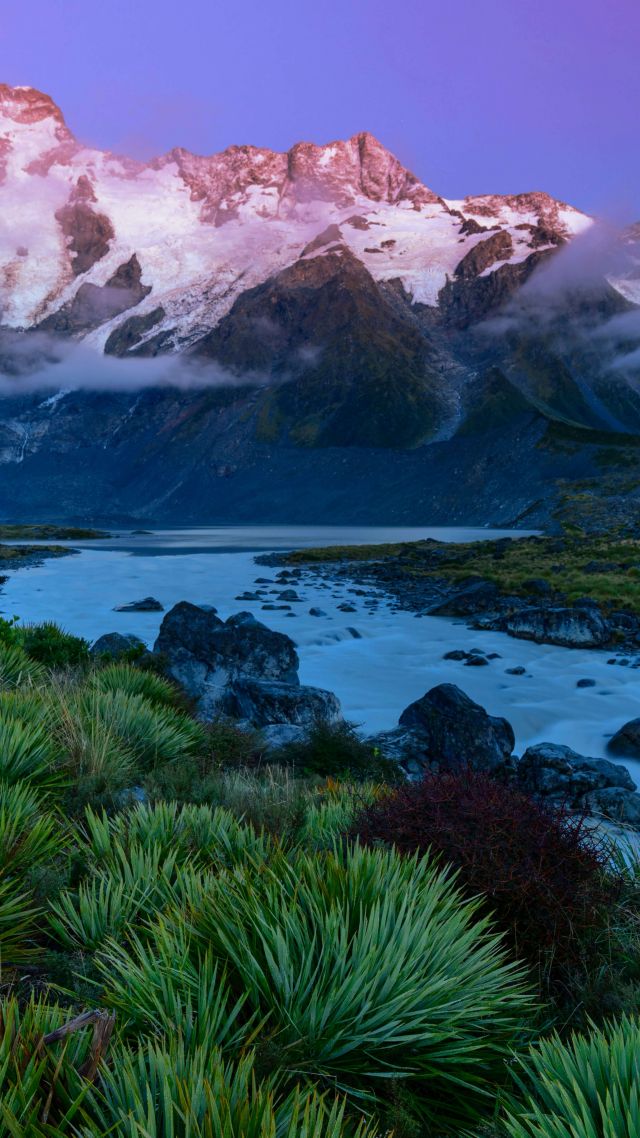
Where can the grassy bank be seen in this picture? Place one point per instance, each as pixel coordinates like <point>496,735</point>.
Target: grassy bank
<point>576,565</point>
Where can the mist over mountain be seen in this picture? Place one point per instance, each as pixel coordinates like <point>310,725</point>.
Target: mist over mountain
<point>248,335</point>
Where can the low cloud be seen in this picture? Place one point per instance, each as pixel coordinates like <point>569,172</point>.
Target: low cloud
<point>570,297</point>
<point>39,363</point>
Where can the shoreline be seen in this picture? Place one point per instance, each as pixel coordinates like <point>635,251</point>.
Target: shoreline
<point>471,582</point>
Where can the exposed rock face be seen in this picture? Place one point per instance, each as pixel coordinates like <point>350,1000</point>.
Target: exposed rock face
<point>205,655</point>
<point>93,304</point>
<point>468,300</point>
<point>558,772</point>
<point>88,234</point>
<point>567,627</point>
<point>125,338</point>
<point>498,247</point>
<point>264,702</point>
<point>626,741</point>
<point>453,731</point>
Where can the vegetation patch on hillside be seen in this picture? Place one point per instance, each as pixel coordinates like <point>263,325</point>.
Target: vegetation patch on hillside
<point>605,568</point>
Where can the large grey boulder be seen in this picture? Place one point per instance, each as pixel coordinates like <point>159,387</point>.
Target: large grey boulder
<point>452,731</point>
<point>626,741</point>
<point>205,655</point>
<point>263,702</point>
<point>555,771</point>
<point>566,627</point>
<point>116,644</point>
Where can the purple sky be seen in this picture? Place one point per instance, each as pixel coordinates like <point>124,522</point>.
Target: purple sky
<point>474,96</point>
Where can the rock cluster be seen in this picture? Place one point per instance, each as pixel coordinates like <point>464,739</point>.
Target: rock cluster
<point>241,668</point>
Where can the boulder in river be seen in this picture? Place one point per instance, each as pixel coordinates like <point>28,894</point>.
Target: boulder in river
<point>476,596</point>
<point>147,604</point>
<point>626,741</point>
<point>566,627</point>
<point>449,729</point>
<point>205,654</point>
<point>555,771</point>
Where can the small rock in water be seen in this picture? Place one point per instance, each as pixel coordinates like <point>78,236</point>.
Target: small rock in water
<point>354,632</point>
<point>519,671</point>
<point>494,656</point>
<point>477,652</point>
<point>476,662</point>
<point>586,683</point>
<point>248,597</point>
<point>147,604</point>
<point>347,608</point>
<point>456,654</point>
<point>289,595</point>
<point>275,608</point>
<point>316,612</point>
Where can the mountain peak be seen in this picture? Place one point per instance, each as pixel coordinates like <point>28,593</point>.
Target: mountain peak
<point>27,105</point>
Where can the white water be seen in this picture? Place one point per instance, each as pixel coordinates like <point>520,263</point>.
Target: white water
<point>398,658</point>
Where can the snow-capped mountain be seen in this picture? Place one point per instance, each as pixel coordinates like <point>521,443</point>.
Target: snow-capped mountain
<point>244,335</point>
<point>204,230</point>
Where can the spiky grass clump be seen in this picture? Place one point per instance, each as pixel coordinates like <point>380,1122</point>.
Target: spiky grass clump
<point>211,835</point>
<point>150,733</point>
<point>30,835</point>
<point>45,1080</point>
<point>97,762</point>
<point>143,860</point>
<point>138,879</point>
<point>28,754</point>
<point>168,1089</point>
<point>588,1087</point>
<point>362,966</point>
<point>132,681</point>
<point>17,670</point>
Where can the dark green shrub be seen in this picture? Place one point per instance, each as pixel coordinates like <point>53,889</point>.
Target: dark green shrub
<point>52,646</point>
<point>336,750</point>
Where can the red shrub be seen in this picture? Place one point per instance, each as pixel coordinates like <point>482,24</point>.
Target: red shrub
<point>540,869</point>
